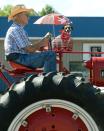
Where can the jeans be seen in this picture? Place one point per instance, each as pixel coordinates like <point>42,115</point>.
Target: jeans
<point>46,59</point>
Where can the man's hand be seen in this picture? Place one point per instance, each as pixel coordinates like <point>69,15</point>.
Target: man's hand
<point>46,39</point>
<point>42,43</point>
<point>48,35</point>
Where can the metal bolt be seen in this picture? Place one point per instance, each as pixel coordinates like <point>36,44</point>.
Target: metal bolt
<point>47,107</point>
<point>24,123</point>
<point>75,116</point>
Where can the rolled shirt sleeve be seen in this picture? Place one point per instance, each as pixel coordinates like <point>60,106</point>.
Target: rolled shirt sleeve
<point>16,40</point>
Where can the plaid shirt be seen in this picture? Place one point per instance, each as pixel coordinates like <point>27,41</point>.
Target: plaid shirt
<point>16,40</point>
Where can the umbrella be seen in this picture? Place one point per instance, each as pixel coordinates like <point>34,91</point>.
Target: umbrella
<point>53,18</point>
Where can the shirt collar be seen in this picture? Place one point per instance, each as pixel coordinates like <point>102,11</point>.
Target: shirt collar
<point>19,25</point>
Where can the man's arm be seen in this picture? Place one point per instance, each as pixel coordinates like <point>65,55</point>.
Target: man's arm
<point>36,46</point>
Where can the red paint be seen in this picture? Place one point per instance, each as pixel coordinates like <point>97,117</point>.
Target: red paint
<point>57,120</point>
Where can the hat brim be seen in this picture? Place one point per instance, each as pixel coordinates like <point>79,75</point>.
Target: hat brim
<point>11,16</point>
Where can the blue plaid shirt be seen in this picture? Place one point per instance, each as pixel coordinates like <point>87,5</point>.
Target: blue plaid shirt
<point>16,40</point>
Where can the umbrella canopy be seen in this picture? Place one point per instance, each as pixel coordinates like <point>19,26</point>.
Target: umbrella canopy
<point>53,18</point>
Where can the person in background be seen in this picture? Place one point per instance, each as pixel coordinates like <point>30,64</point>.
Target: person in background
<point>18,47</point>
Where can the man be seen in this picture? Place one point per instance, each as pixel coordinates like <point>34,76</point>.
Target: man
<point>19,49</point>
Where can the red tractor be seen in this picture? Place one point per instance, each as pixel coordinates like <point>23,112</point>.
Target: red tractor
<point>57,101</point>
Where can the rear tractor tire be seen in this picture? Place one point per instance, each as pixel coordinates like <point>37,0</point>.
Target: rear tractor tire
<point>52,102</point>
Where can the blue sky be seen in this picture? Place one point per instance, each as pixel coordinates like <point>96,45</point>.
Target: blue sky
<point>65,7</point>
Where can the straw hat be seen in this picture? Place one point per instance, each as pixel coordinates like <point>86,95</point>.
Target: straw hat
<point>18,9</point>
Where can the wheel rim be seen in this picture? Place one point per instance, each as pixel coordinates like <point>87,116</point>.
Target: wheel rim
<point>53,115</point>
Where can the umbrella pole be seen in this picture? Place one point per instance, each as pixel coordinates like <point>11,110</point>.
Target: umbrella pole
<point>50,43</point>
<point>53,31</point>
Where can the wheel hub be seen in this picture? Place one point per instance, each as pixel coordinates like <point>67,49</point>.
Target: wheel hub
<point>53,115</point>
<point>56,120</point>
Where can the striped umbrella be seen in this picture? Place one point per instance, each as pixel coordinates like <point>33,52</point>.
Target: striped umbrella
<point>53,18</point>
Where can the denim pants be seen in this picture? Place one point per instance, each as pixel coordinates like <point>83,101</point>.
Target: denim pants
<point>46,59</point>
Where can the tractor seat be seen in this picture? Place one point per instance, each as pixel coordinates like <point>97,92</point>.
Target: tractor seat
<point>21,69</point>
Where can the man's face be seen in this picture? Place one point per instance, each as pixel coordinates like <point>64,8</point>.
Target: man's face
<point>23,18</point>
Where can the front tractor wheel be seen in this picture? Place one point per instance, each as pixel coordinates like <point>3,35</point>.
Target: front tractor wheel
<point>53,115</point>
<point>52,102</point>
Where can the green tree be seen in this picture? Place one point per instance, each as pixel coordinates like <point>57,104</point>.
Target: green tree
<point>6,10</point>
<point>33,13</point>
<point>46,10</point>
